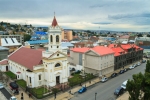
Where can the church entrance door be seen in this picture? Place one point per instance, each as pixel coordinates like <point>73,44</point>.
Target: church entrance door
<point>57,79</point>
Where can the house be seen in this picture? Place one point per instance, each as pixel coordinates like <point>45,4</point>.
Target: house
<point>38,67</point>
<point>67,35</point>
<point>98,60</point>
<point>123,38</point>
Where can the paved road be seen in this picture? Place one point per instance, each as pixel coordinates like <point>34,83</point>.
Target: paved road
<point>6,93</point>
<point>105,90</point>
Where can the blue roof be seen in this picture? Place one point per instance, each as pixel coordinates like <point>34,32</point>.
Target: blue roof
<point>66,44</point>
<point>38,42</point>
<point>40,33</point>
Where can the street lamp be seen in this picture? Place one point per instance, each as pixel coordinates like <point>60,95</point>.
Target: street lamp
<point>95,95</point>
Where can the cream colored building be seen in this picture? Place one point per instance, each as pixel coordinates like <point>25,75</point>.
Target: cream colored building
<point>98,60</point>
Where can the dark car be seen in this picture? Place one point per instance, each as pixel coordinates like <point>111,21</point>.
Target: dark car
<point>121,71</point>
<point>13,86</point>
<point>126,69</point>
<point>113,75</point>
<point>83,89</point>
<point>143,61</point>
<point>119,91</point>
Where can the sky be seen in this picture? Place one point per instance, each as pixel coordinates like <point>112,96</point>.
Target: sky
<point>114,15</point>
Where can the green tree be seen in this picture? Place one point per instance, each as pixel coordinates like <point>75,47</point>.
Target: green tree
<point>147,82</point>
<point>134,86</point>
<point>139,87</point>
<point>27,37</point>
<point>140,35</point>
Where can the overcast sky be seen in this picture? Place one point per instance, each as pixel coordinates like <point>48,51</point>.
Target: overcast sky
<point>117,15</point>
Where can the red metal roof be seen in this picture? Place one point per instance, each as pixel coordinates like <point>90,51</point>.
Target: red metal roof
<point>101,50</point>
<point>4,62</point>
<point>81,50</point>
<point>27,57</point>
<point>54,23</point>
<point>126,46</point>
<point>117,50</point>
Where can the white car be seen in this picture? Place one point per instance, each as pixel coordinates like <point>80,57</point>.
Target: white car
<point>131,67</point>
<point>13,98</point>
<point>1,86</point>
<point>104,79</point>
<point>139,63</point>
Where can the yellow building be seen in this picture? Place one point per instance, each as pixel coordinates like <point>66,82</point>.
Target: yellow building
<point>66,35</point>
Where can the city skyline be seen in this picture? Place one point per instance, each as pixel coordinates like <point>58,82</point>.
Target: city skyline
<point>114,15</point>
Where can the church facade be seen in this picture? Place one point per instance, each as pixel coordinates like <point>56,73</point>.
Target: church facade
<point>39,68</point>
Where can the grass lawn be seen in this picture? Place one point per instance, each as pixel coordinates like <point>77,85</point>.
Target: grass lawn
<point>77,79</point>
<point>10,74</point>
<point>39,91</point>
<point>22,83</point>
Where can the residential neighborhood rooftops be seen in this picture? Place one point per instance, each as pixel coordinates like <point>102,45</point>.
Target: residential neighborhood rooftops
<point>27,57</point>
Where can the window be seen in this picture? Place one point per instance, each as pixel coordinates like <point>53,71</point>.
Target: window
<point>39,77</point>
<point>57,65</point>
<point>57,54</point>
<point>51,38</point>
<point>57,46</point>
<point>57,38</point>
<point>30,79</point>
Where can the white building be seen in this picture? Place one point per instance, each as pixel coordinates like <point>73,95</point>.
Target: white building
<point>39,68</point>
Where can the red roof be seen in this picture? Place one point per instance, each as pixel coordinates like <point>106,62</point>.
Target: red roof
<point>27,57</point>
<point>117,50</point>
<point>101,50</point>
<point>4,62</point>
<point>81,50</point>
<point>54,23</point>
<point>126,46</point>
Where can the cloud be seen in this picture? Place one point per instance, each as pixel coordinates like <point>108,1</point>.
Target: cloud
<point>102,23</point>
<point>84,14</point>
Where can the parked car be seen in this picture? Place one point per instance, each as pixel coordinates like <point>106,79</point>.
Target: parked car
<point>143,61</point>
<point>131,67</point>
<point>113,75</point>
<point>13,98</point>
<point>134,65</point>
<point>121,71</point>
<point>119,91</point>
<point>125,70</point>
<point>139,63</point>
<point>1,86</point>
<point>83,89</point>
<point>104,79</point>
<point>13,86</point>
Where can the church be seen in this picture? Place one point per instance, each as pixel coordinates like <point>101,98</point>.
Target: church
<point>36,67</point>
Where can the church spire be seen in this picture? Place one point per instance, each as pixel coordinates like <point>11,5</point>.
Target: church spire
<point>54,23</point>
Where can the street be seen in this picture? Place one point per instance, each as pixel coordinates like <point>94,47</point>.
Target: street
<point>5,93</point>
<point>105,91</point>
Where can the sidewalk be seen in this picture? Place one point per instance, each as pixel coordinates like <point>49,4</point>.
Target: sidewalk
<point>125,96</point>
<point>67,96</point>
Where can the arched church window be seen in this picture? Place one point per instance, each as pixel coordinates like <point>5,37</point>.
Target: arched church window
<point>51,38</point>
<point>57,38</point>
<point>57,65</point>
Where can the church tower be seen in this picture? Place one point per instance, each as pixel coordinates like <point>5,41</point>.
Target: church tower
<point>54,36</point>
<point>56,70</point>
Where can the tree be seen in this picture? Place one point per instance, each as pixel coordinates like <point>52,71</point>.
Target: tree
<point>148,35</point>
<point>27,37</point>
<point>134,86</point>
<point>147,82</point>
<point>139,87</point>
<point>74,33</point>
<point>140,35</point>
